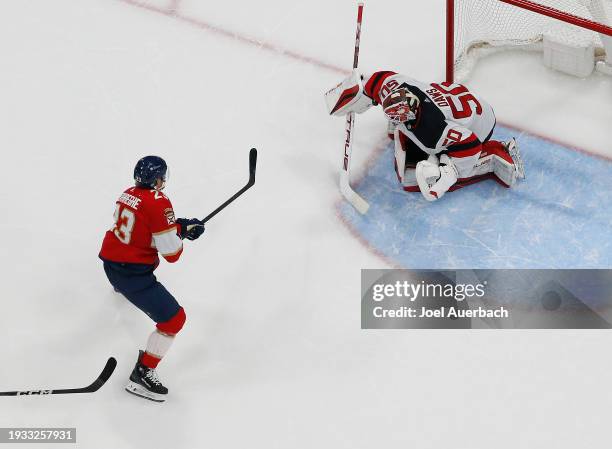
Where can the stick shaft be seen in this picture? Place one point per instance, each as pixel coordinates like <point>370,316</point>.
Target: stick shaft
<point>350,118</point>
<point>358,202</point>
<point>252,168</point>
<point>106,373</point>
<point>224,205</point>
<point>358,35</point>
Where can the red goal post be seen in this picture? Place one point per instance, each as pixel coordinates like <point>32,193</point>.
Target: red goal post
<point>538,12</point>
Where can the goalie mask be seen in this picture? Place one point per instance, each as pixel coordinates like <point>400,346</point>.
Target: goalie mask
<point>401,106</point>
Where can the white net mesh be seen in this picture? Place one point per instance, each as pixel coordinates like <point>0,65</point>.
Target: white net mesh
<point>486,26</point>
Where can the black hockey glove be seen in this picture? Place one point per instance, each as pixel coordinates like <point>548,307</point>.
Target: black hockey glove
<point>190,228</point>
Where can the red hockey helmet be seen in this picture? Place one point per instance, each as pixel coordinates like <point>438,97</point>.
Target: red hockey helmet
<point>401,106</point>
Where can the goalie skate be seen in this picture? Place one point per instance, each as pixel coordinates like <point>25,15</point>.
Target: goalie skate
<point>515,154</point>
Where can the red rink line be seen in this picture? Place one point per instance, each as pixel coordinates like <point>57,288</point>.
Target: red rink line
<point>374,155</point>
<point>379,149</point>
<point>172,11</point>
<point>174,6</point>
<point>557,142</point>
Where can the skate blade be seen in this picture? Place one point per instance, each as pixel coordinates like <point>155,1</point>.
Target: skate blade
<point>518,164</point>
<point>138,390</point>
<point>516,158</point>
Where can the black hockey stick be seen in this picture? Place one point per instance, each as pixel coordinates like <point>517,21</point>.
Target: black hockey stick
<point>95,386</point>
<point>252,166</point>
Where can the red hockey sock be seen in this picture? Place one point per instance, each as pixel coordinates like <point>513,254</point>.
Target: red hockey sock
<point>149,360</point>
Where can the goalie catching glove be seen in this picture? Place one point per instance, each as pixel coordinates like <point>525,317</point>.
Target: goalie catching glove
<point>190,228</point>
<point>348,96</point>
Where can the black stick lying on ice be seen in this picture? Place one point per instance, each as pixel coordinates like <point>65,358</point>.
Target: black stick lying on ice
<point>251,183</point>
<point>95,386</point>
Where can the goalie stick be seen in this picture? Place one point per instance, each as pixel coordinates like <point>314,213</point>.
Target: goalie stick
<point>347,191</point>
<point>249,184</point>
<point>106,373</point>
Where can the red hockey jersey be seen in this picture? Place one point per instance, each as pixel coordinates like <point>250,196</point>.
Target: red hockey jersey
<point>144,225</point>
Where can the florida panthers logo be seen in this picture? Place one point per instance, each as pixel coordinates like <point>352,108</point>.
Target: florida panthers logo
<point>169,213</point>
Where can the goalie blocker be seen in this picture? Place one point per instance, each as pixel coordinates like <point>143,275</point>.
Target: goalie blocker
<point>442,131</point>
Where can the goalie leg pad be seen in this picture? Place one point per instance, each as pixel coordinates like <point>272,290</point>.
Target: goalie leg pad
<point>391,129</point>
<point>409,181</point>
<point>505,161</point>
<point>407,155</point>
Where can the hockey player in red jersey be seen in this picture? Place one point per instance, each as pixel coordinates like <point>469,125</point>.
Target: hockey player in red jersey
<point>442,131</point>
<point>144,225</point>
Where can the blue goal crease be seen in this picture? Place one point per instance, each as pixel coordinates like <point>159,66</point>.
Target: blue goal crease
<point>558,217</point>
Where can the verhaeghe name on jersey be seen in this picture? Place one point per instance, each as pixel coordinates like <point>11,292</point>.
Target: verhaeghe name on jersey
<point>129,200</point>
<point>441,312</point>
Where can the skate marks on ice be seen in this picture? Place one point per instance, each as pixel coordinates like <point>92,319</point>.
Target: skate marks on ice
<point>559,217</point>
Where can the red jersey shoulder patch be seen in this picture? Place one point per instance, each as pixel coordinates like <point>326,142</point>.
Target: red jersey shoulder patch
<point>169,213</point>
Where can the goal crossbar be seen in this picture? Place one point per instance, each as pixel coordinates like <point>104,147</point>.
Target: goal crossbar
<point>523,4</point>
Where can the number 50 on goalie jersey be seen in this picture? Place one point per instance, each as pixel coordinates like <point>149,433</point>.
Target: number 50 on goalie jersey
<point>144,225</point>
<point>450,117</point>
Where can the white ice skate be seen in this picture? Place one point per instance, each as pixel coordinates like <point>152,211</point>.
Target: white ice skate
<point>515,154</point>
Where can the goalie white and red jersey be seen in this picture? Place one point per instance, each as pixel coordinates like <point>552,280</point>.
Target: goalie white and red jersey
<point>144,225</point>
<point>442,131</point>
<point>450,118</point>
<point>451,122</point>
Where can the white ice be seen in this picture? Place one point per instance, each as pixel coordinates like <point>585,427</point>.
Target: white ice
<point>272,355</point>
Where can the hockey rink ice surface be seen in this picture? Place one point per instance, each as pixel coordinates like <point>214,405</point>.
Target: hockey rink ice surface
<point>488,226</point>
<point>272,355</point>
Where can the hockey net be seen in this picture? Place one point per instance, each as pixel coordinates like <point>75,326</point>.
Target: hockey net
<point>476,28</point>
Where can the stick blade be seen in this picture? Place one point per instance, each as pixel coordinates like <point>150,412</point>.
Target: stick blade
<point>252,163</point>
<point>106,373</point>
<point>351,196</point>
<point>109,368</point>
